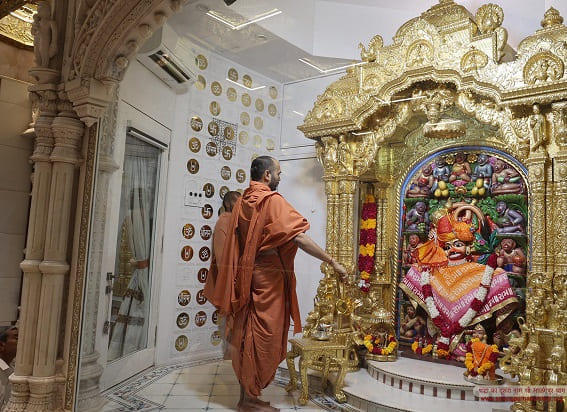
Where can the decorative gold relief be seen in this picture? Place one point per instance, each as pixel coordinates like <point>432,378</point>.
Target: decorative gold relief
<point>473,60</point>
<point>419,53</point>
<point>374,45</point>
<point>489,17</point>
<point>543,67</point>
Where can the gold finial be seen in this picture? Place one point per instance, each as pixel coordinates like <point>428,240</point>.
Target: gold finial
<point>551,18</point>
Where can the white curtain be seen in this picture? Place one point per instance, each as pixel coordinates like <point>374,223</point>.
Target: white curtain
<point>130,331</point>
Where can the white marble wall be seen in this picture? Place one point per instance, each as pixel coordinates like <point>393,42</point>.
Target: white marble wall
<point>15,171</point>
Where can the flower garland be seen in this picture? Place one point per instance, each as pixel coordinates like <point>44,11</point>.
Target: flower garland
<point>371,341</point>
<point>471,362</point>
<point>367,242</point>
<point>421,350</point>
<point>439,320</point>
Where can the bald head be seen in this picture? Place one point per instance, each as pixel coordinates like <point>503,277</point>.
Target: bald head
<point>229,200</point>
<point>266,169</point>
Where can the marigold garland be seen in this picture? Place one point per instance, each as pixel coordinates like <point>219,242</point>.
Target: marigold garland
<point>371,341</point>
<point>367,242</point>
<point>421,350</point>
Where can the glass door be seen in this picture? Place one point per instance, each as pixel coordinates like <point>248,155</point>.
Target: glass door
<point>131,324</point>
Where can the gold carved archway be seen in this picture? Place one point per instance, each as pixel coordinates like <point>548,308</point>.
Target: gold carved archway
<point>449,80</point>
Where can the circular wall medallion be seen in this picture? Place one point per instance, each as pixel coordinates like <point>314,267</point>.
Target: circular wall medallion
<point>216,88</point>
<point>228,133</point>
<point>216,338</point>
<point>207,211</point>
<point>184,297</point>
<point>213,128</point>
<point>272,109</point>
<point>202,275</point>
<point>200,318</point>
<point>257,141</point>
<point>273,92</point>
<point>182,320</point>
<point>188,231</point>
<point>216,317</point>
<point>209,190</point>
<point>270,145</point>
<point>204,253</point>
<point>193,166</point>
<point>246,100</point>
<point>196,123</point>
<point>254,156</point>
<point>245,118</point>
<point>259,103</point>
<point>258,123</point>
<point>231,94</point>
<point>214,108</point>
<point>243,137</point>
<point>247,80</point>
<point>200,297</point>
<point>233,74</point>
<point>240,175</point>
<point>181,343</point>
<point>201,83</point>
<point>211,149</point>
<point>225,172</point>
<point>194,145</point>
<point>206,232</point>
<point>201,62</point>
<point>186,253</point>
<point>227,152</point>
<point>223,191</point>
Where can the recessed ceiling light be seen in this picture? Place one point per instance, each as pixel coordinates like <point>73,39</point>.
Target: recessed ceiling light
<point>246,87</point>
<point>261,36</point>
<point>238,25</point>
<point>321,70</point>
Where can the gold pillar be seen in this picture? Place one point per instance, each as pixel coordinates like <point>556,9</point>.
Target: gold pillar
<point>331,191</point>
<point>537,165</point>
<point>345,222</point>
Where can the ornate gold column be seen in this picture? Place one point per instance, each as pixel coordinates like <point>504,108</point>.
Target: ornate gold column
<point>537,172</point>
<point>345,222</point>
<point>31,285</point>
<point>331,191</point>
<point>67,133</point>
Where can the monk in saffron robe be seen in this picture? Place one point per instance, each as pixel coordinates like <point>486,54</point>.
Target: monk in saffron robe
<point>256,280</point>
<point>219,236</point>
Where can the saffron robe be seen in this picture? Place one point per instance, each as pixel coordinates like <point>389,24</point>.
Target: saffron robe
<point>257,274</point>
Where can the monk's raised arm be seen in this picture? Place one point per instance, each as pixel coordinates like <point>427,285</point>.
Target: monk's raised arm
<point>307,244</point>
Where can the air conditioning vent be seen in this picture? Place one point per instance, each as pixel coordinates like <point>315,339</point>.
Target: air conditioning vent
<point>158,54</point>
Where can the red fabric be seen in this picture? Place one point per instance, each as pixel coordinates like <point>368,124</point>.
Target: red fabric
<point>257,267</point>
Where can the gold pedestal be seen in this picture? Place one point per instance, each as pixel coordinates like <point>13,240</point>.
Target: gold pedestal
<point>323,356</point>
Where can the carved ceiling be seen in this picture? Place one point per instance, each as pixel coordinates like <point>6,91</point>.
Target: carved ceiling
<point>15,22</point>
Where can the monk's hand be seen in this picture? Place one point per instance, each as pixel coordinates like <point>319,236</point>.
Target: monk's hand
<point>340,270</point>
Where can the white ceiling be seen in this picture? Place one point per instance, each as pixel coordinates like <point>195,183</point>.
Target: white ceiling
<point>323,29</point>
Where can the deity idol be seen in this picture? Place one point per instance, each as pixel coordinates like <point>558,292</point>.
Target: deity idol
<point>454,290</point>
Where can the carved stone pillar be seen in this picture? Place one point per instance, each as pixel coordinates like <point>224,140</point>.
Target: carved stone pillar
<point>31,285</point>
<point>537,165</point>
<point>67,133</point>
<point>345,224</point>
<point>90,370</point>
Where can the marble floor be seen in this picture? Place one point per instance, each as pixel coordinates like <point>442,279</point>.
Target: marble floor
<point>213,386</point>
<point>209,386</point>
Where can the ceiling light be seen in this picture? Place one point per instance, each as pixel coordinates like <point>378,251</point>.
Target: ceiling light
<point>360,134</point>
<point>234,26</point>
<point>320,70</point>
<point>247,88</point>
<point>297,113</point>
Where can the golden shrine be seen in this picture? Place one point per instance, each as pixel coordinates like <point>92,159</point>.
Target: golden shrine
<point>451,136</point>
